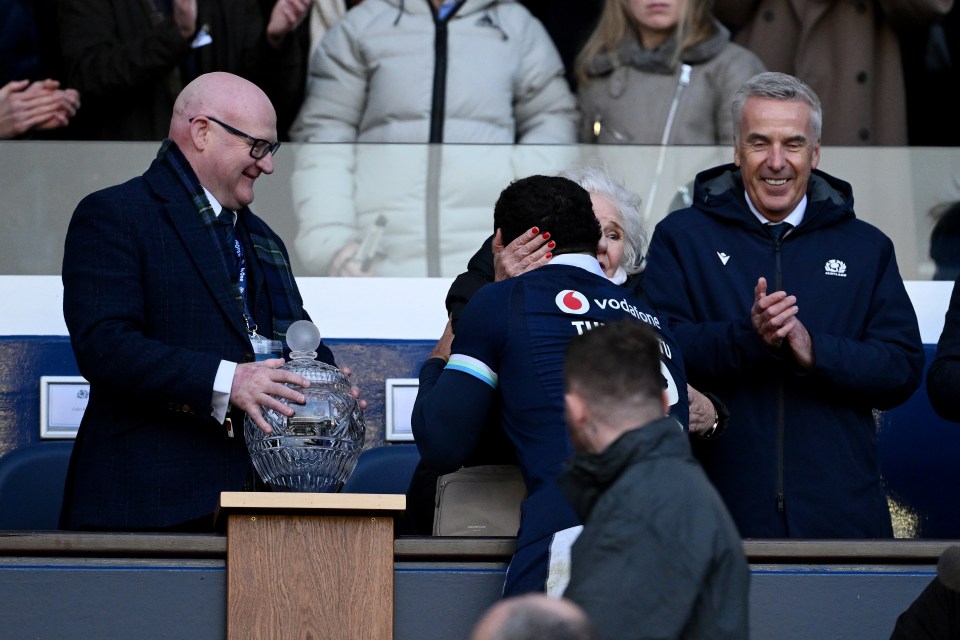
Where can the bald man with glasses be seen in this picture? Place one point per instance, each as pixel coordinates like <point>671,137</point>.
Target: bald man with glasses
<point>258,146</point>
<point>177,298</point>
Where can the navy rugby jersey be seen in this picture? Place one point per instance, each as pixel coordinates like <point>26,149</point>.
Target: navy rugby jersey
<point>509,345</point>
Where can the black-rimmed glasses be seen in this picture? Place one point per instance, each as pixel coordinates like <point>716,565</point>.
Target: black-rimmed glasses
<point>258,146</point>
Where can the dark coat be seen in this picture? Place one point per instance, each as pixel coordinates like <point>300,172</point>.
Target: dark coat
<point>129,63</point>
<point>151,312</point>
<point>659,556</point>
<point>943,378</point>
<point>799,456</point>
<point>19,47</point>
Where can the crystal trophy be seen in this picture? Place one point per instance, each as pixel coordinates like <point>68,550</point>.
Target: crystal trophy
<point>316,449</point>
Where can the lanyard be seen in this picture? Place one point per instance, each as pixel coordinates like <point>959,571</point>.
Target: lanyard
<point>263,348</point>
<point>241,261</point>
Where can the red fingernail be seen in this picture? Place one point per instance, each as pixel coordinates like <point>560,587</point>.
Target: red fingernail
<point>549,255</point>
<point>535,230</point>
<point>551,244</point>
<point>546,235</point>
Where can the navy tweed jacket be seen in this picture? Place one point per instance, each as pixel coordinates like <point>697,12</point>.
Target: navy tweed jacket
<point>151,312</point>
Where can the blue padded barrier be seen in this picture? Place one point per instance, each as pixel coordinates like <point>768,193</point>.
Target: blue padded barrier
<point>31,485</point>
<point>919,454</point>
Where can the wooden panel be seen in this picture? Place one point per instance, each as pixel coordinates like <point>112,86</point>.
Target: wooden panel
<point>181,545</point>
<point>279,500</point>
<point>309,577</point>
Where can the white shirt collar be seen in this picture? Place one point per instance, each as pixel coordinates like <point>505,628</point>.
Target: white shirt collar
<point>795,217</point>
<point>583,260</point>
<point>619,277</point>
<point>215,204</point>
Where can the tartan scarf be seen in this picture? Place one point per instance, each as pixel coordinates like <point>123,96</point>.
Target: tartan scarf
<point>285,300</point>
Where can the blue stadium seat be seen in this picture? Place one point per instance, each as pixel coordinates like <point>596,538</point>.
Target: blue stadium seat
<point>31,485</point>
<point>918,461</point>
<point>384,469</point>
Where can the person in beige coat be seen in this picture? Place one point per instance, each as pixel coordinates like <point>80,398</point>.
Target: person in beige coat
<point>847,52</point>
<point>660,72</point>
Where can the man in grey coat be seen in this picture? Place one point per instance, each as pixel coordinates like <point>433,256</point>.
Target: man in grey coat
<point>659,556</point>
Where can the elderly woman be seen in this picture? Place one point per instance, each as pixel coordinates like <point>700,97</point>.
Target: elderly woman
<point>624,239</point>
<point>620,253</point>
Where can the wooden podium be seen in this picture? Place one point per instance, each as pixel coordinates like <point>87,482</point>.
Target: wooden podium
<point>310,565</point>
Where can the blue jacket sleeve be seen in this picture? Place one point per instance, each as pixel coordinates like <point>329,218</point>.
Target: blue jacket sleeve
<point>448,415</point>
<point>883,365</point>
<point>943,379</point>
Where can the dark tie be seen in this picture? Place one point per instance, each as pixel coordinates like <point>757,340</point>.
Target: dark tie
<point>229,238</point>
<point>778,229</point>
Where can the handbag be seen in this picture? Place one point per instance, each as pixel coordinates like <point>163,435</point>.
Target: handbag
<point>479,501</point>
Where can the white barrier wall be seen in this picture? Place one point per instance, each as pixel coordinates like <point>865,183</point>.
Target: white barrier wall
<point>359,308</point>
<point>435,230</point>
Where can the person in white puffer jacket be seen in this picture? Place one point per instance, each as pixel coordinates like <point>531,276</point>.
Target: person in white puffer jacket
<point>410,71</point>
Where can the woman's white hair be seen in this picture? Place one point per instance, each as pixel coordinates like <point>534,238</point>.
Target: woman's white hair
<point>598,180</point>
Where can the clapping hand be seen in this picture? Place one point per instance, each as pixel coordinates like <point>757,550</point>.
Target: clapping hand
<point>40,105</point>
<point>774,317</point>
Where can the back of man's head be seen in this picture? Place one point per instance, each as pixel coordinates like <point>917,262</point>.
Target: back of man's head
<point>533,617</point>
<point>553,204</point>
<point>616,368</point>
<point>945,244</point>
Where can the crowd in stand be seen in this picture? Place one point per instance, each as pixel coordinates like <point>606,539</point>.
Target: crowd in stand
<point>484,71</point>
<point>497,72</point>
<point>627,476</point>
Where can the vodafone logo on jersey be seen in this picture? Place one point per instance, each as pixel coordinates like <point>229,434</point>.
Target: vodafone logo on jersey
<point>571,301</point>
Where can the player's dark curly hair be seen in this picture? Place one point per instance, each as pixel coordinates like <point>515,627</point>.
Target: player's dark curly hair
<point>553,204</point>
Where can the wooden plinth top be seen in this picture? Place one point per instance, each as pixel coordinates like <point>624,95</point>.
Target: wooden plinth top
<point>267,501</point>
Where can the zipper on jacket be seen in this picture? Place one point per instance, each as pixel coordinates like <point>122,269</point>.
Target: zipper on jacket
<point>777,245</point>
<point>432,199</point>
<point>682,83</point>
<point>780,435</point>
<point>439,103</point>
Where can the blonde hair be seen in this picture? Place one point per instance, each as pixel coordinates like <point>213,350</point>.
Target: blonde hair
<point>617,22</point>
